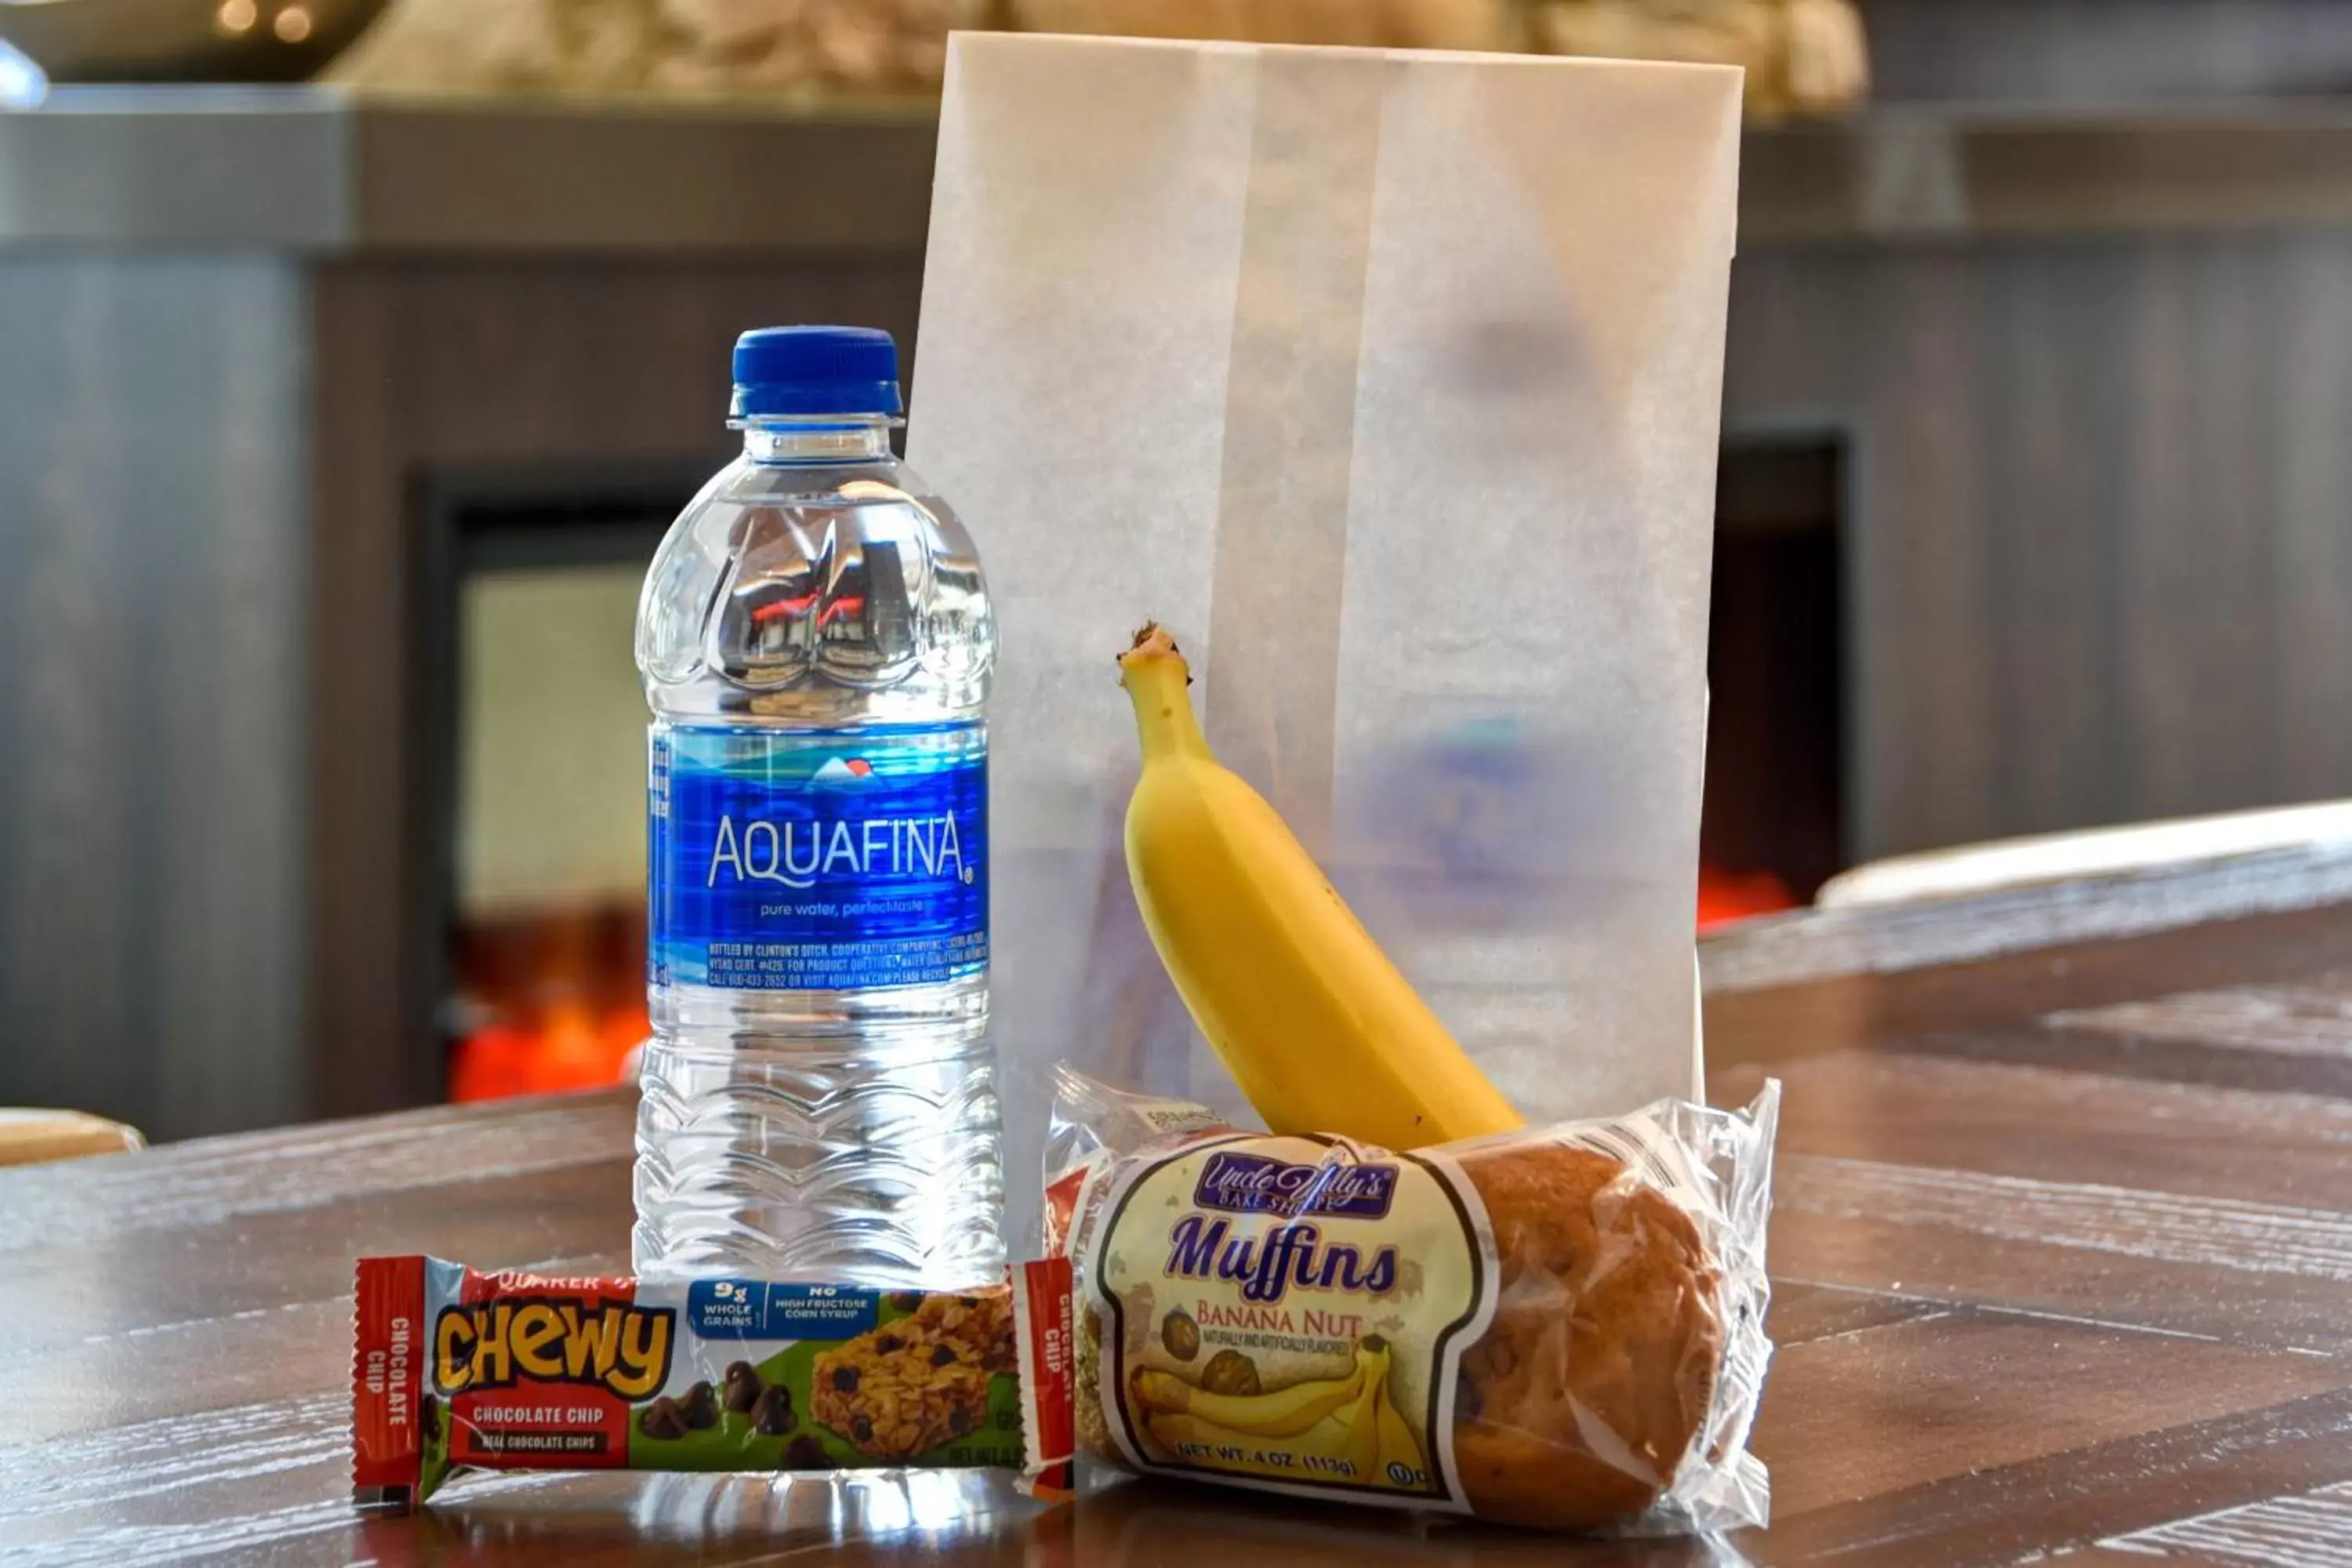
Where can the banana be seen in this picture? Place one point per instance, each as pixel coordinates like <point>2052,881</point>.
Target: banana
<point>1284,1413</point>
<point>1358,1448</point>
<point>1397,1443</point>
<point>1315,1023</point>
<point>1170,1428</point>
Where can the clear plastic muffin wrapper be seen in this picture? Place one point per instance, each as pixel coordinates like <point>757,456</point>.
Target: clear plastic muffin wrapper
<point>1559,1327</point>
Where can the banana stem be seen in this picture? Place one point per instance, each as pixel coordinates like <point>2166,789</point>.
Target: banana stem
<point>1156,676</point>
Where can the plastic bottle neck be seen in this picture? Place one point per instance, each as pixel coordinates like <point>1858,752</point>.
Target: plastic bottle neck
<point>817,438</point>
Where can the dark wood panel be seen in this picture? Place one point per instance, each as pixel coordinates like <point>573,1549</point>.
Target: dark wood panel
<point>2096,571</point>
<point>2051,518</point>
<point>150,567</point>
<point>2310,555</point>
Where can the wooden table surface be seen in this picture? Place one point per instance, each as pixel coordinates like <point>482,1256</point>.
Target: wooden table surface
<point>2063,1252</point>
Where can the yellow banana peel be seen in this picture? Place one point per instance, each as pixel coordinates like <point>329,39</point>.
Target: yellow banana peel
<point>1315,1024</point>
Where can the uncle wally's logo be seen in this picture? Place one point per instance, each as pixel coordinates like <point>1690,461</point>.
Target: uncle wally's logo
<point>1240,1183</point>
<point>551,1340</point>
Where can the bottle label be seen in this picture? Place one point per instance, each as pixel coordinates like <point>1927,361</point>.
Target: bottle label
<point>831,860</point>
<point>1290,1313</point>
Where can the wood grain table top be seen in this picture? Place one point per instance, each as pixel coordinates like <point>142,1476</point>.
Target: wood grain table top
<point>2063,1254</point>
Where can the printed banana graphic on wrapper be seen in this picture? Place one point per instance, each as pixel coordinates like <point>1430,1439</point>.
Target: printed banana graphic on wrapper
<point>1284,1413</point>
<point>1171,1430</point>
<point>1318,1027</point>
<point>1348,1426</point>
<point>1358,1448</point>
<point>1397,1444</point>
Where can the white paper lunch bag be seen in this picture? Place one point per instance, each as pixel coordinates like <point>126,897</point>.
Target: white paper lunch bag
<point>1389,381</point>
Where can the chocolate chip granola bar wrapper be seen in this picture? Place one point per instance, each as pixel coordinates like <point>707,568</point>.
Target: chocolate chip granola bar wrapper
<point>455,1369</point>
<point>1558,1327</point>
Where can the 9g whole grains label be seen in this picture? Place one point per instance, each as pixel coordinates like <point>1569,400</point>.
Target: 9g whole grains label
<point>1291,1316</point>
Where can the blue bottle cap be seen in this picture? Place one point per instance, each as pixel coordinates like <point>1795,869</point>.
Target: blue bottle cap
<point>815,370</point>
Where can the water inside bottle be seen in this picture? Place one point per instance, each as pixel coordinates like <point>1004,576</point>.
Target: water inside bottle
<point>820,1095</point>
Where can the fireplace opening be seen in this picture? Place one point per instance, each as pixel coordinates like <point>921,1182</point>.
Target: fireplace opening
<point>1771,829</point>
<point>534,749</point>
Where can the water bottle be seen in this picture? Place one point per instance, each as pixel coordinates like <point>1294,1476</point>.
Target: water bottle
<point>819,1096</point>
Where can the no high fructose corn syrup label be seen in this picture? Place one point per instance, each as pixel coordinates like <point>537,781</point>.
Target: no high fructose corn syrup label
<point>827,860</point>
<point>1284,1313</point>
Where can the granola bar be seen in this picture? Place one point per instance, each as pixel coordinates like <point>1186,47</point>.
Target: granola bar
<point>454,1369</point>
<point>907,1386</point>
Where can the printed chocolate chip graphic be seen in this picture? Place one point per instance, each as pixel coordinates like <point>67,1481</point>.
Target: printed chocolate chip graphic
<point>958,1421</point>
<point>845,1380</point>
<point>662,1420</point>
<point>743,1386</point>
<point>699,1407</point>
<point>1230,1371</point>
<point>862,1428</point>
<point>889,1344</point>
<point>967,1301</point>
<point>1181,1335</point>
<point>771,1417</point>
<point>805,1452</point>
<point>942,1354</point>
<point>905,1300</point>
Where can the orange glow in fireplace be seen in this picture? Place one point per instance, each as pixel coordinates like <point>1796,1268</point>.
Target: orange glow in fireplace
<point>568,1048</point>
<point>1725,896</point>
<point>550,1001</point>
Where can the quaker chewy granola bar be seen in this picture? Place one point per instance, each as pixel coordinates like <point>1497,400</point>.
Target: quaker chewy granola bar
<point>454,1368</point>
